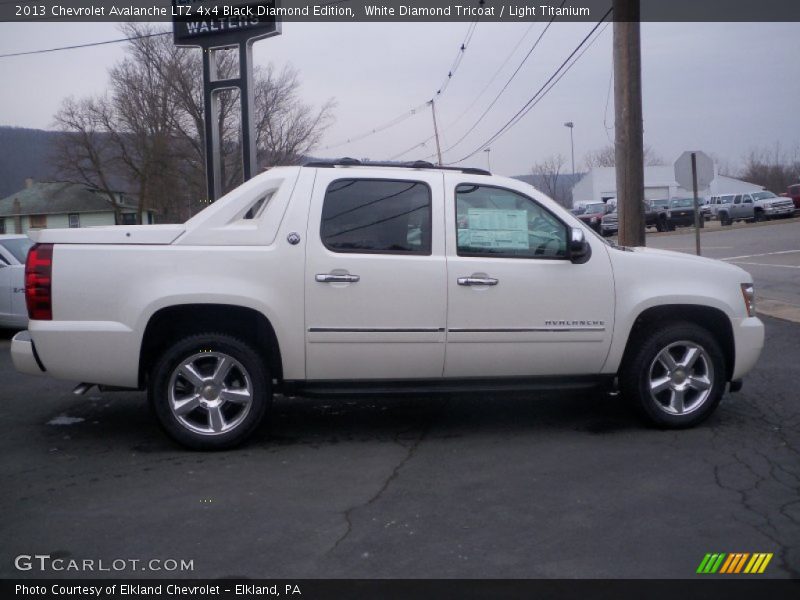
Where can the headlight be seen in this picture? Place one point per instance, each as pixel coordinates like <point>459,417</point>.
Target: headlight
<point>595,219</point>
<point>749,295</point>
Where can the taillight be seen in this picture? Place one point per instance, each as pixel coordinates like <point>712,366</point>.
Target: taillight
<point>38,282</point>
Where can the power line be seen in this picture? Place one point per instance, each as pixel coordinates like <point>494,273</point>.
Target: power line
<point>496,73</point>
<point>410,113</point>
<point>459,57</point>
<point>542,91</point>
<point>88,45</point>
<point>497,97</point>
<point>477,97</point>
<point>608,101</point>
<point>388,125</point>
<point>505,87</point>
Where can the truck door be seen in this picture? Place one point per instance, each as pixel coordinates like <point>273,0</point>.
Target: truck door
<point>517,306</point>
<point>748,208</point>
<point>737,211</point>
<point>375,275</point>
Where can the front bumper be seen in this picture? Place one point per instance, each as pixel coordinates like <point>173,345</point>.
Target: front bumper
<point>780,211</point>
<point>23,355</point>
<point>748,344</point>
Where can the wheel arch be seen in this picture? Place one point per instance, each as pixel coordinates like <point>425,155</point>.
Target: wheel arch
<point>172,323</point>
<point>714,320</point>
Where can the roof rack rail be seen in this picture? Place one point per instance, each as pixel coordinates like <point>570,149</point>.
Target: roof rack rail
<point>417,164</point>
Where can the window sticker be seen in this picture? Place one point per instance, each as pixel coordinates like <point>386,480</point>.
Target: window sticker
<point>496,229</point>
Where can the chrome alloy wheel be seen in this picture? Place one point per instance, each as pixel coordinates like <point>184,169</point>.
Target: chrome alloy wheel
<point>210,393</point>
<point>681,378</point>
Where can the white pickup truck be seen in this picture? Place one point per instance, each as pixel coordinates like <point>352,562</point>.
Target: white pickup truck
<point>341,278</point>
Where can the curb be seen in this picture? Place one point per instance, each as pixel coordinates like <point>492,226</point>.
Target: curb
<point>715,228</point>
<point>778,310</point>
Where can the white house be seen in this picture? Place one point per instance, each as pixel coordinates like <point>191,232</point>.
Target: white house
<point>600,184</point>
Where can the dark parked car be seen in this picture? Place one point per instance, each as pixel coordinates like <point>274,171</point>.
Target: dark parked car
<point>609,225</point>
<point>657,214</point>
<point>593,215</point>
<point>681,213</point>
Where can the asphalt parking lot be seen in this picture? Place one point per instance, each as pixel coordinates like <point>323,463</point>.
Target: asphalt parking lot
<point>770,251</point>
<point>509,486</point>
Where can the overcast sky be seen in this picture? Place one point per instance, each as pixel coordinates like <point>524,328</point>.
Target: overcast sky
<point>723,88</point>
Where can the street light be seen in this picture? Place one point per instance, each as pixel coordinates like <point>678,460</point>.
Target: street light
<point>488,158</point>
<point>571,126</point>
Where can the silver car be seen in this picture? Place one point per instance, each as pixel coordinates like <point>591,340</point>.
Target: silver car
<point>13,250</point>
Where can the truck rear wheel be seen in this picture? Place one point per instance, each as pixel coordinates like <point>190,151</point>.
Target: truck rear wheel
<point>675,375</point>
<point>210,391</point>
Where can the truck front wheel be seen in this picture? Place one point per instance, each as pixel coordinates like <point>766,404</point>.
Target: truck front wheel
<point>210,391</point>
<point>675,375</point>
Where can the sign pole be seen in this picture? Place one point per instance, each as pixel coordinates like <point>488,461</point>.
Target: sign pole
<point>249,167</point>
<point>696,205</point>
<point>695,170</point>
<point>212,33</point>
<point>211,114</point>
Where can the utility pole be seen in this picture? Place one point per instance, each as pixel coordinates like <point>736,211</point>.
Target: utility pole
<point>628,112</point>
<point>436,133</point>
<point>488,158</point>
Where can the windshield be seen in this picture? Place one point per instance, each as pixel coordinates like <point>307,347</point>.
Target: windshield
<point>18,247</point>
<point>659,203</point>
<point>681,203</point>
<point>763,195</point>
<point>595,208</point>
<point>726,199</point>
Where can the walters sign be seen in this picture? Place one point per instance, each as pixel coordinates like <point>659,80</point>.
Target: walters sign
<point>212,24</point>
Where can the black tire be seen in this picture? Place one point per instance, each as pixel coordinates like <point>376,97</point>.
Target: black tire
<point>759,216</point>
<point>724,220</point>
<point>642,369</point>
<point>235,417</point>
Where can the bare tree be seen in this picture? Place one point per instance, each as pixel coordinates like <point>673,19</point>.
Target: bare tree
<point>606,157</point>
<point>85,154</point>
<point>548,179</point>
<point>775,169</point>
<point>147,131</point>
<point>286,128</point>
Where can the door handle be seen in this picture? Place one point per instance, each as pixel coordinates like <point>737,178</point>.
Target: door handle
<point>477,281</point>
<point>336,278</point>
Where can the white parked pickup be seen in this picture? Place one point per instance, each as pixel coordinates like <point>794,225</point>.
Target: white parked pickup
<point>344,278</point>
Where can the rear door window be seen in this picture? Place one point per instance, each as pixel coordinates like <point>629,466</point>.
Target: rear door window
<point>377,216</point>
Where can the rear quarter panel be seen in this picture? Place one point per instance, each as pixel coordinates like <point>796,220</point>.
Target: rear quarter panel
<point>104,296</point>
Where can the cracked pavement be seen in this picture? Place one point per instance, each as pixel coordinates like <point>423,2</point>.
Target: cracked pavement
<point>507,486</point>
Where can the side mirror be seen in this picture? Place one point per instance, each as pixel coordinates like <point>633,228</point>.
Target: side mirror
<point>579,248</point>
